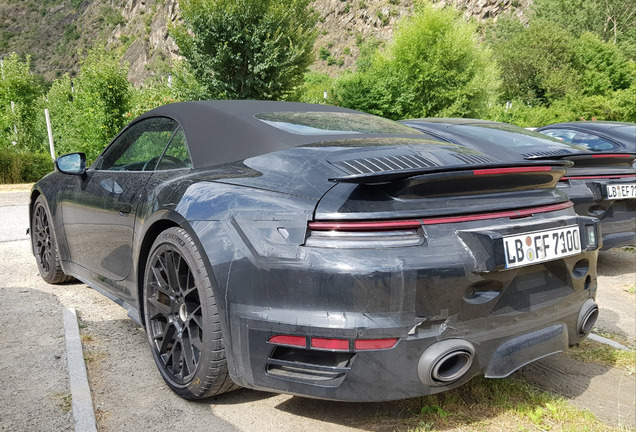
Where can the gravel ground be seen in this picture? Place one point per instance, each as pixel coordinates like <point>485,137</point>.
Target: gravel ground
<point>129,394</point>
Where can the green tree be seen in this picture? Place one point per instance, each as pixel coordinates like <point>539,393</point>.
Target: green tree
<point>21,116</point>
<point>434,66</point>
<point>537,61</point>
<point>602,65</point>
<point>551,74</point>
<point>614,21</point>
<point>246,49</point>
<point>87,112</point>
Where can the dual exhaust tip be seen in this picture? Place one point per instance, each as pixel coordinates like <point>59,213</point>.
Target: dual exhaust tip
<point>449,360</point>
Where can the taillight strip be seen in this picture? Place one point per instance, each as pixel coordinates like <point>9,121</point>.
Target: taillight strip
<point>415,224</point>
<point>611,177</point>
<point>509,170</point>
<point>509,213</point>
<point>365,226</point>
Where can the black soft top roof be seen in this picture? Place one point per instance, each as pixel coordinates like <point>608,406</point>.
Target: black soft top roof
<point>227,130</point>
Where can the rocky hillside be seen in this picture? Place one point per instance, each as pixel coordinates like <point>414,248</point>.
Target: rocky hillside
<point>54,31</point>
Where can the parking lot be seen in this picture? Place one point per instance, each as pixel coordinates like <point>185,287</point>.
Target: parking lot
<point>129,394</point>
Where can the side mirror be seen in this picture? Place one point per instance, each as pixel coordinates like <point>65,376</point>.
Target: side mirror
<point>72,164</point>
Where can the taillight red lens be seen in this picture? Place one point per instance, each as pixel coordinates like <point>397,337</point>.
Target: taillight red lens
<point>374,344</point>
<point>365,226</point>
<point>296,341</point>
<point>601,156</point>
<point>512,214</point>
<point>330,344</point>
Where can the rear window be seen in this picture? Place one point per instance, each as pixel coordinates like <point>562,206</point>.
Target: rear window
<point>330,123</point>
<point>514,136</point>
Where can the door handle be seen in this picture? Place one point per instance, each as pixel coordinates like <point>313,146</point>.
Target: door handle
<point>124,210</point>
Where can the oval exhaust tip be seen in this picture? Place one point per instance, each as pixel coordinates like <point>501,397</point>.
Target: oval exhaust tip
<point>445,362</point>
<point>452,366</point>
<point>588,322</point>
<point>587,317</point>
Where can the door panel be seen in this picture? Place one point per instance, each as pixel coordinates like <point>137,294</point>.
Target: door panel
<point>100,218</point>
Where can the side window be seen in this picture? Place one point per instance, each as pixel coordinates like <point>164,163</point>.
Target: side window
<point>593,142</point>
<point>566,135</point>
<point>176,155</point>
<point>140,147</point>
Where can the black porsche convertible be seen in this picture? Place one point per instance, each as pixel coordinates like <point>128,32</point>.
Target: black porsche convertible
<point>319,251</point>
<point>601,185</point>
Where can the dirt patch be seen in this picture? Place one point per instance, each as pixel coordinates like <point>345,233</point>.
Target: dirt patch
<point>18,187</point>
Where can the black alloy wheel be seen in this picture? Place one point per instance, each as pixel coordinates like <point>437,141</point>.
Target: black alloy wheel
<point>44,245</point>
<point>182,320</point>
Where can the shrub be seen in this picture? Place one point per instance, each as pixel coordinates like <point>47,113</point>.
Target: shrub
<point>313,88</point>
<point>537,62</point>
<point>21,119</point>
<point>89,111</point>
<point>23,167</point>
<point>433,67</point>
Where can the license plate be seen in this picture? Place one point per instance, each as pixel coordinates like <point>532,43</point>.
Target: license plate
<point>621,191</point>
<point>540,246</point>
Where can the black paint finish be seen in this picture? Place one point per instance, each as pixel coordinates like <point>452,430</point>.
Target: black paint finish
<point>248,200</point>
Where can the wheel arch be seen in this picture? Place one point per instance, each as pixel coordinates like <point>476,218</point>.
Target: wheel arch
<point>169,220</point>
<point>149,238</point>
<point>35,193</point>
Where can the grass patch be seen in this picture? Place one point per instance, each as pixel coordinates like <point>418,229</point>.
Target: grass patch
<point>493,405</point>
<point>91,356</point>
<point>594,352</point>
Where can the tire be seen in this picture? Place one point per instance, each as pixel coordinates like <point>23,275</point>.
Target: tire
<point>182,320</point>
<point>44,244</point>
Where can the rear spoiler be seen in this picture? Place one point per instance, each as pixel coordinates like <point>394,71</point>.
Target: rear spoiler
<point>463,170</point>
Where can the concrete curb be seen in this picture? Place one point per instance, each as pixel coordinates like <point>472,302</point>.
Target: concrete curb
<point>82,401</point>
<point>606,341</point>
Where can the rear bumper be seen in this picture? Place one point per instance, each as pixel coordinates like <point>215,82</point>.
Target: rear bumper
<point>396,373</point>
<point>618,217</point>
<point>453,287</point>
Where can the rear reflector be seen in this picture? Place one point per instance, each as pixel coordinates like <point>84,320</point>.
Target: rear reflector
<point>296,341</point>
<point>330,344</point>
<point>365,226</point>
<point>375,344</point>
<point>601,156</point>
<point>512,170</point>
